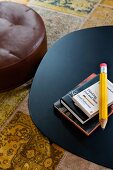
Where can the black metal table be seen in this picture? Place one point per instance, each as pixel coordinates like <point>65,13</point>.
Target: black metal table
<point>71,59</point>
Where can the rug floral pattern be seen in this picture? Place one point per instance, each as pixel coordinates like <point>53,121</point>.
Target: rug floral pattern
<point>23,147</point>
<point>9,101</point>
<point>101,16</point>
<point>76,7</point>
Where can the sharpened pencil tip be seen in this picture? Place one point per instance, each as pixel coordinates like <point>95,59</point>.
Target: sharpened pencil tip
<point>103,123</point>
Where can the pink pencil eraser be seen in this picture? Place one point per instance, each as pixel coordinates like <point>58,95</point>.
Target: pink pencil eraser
<point>103,65</point>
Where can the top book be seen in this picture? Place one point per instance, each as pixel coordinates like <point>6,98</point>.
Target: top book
<point>88,99</point>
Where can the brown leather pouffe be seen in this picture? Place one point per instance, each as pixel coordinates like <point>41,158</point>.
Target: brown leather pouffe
<point>23,44</point>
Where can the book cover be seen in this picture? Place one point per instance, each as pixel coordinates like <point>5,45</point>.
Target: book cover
<point>69,104</point>
<point>86,128</point>
<point>88,99</point>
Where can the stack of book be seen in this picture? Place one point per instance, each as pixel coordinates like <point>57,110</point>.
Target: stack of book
<point>81,104</point>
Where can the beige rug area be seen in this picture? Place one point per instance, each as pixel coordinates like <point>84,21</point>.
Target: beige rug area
<point>18,1</point>
<point>22,146</point>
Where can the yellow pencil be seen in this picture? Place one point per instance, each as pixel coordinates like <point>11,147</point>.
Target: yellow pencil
<point>103,96</point>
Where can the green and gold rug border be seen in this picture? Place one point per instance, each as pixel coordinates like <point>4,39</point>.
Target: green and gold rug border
<point>82,12</point>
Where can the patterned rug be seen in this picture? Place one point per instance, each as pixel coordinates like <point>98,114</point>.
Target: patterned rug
<point>22,146</point>
<point>76,7</point>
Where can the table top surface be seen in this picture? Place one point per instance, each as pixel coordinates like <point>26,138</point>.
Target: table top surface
<point>69,61</point>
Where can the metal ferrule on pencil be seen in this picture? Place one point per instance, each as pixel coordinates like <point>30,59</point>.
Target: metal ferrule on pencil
<point>103,69</point>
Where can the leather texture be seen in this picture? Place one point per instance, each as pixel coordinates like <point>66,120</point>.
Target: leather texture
<point>23,44</point>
